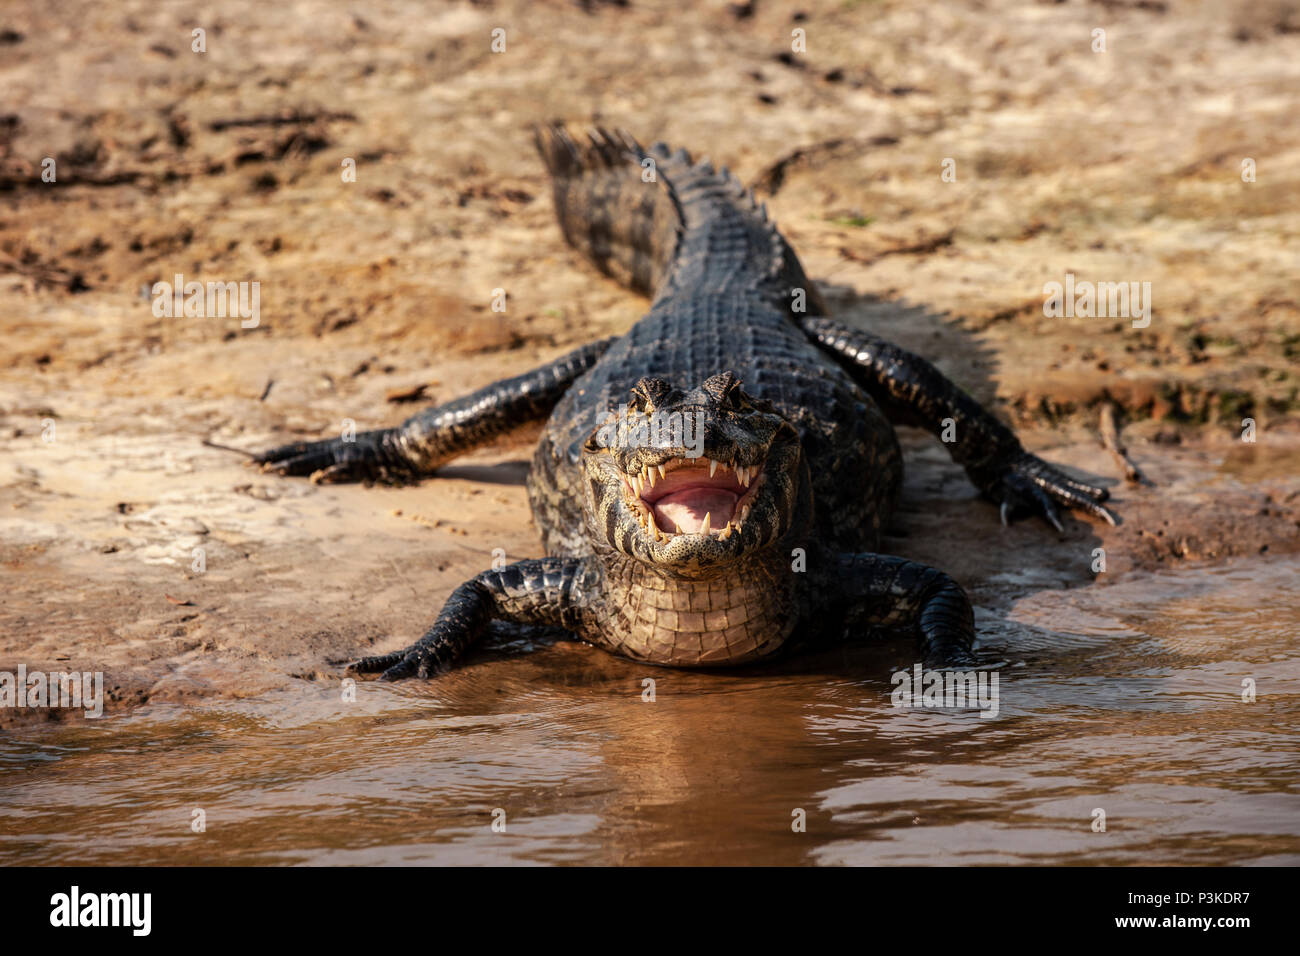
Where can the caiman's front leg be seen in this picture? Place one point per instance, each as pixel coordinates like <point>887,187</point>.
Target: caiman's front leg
<point>428,440</point>
<point>880,591</point>
<point>545,592</point>
<point>911,391</point>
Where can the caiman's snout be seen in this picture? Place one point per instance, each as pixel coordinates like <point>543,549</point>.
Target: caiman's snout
<point>692,479</point>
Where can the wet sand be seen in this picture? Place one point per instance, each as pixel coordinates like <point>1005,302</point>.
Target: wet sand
<point>1125,699</point>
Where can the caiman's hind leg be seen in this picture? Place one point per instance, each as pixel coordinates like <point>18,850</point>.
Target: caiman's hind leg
<point>546,592</point>
<point>428,440</point>
<point>879,591</point>
<point>913,392</point>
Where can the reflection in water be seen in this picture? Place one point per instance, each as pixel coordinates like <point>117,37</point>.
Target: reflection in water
<point>1124,696</point>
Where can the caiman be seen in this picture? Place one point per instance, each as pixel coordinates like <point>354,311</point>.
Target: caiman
<point>710,486</point>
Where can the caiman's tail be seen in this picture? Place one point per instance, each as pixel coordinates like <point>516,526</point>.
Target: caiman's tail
<point>626,222</point>
<point>664,225</point>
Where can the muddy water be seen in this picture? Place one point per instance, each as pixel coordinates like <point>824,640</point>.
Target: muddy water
<point>1125,697</point>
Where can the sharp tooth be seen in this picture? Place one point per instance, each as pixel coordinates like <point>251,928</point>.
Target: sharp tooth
<point>662,473</point>
<point>653,474</point>
<point>744,512</point>
<point>704,528</point>
<point>651,526</point>
<point>725,533</point>
<point>742,473</point>
<point>637,483</point>
<point>713,467</point>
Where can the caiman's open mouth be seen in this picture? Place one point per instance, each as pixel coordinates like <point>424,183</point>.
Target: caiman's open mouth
<point>693,496</point>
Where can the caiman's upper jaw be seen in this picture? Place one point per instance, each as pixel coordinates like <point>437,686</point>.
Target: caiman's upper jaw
<point>692,496</point>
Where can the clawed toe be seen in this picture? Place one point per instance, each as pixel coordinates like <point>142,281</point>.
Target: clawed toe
<point>296,459</point>
<point>399,671</point>
<point>374,665</point>
<point>954,660</point>
<point>332,474</point>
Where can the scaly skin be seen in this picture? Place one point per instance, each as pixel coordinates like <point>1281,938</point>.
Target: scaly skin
<point>724,548</point>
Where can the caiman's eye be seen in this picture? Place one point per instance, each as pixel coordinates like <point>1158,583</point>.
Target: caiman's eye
<point>649,393</point>
<point>724,388</point>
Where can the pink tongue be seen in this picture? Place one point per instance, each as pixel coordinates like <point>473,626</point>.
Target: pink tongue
<point>684,511</point>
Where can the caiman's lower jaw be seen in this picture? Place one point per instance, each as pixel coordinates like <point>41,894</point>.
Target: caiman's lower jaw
<point>693,496</point>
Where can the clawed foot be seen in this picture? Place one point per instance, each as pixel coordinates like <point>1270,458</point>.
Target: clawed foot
<point>952,658</point>
<point>369,457</point>
<point>1032,485</point>
<point>953,652</point>
<point>417,661</point>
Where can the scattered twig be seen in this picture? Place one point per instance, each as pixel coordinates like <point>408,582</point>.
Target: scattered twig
<point>238,451</point>
<point>412,393</point>
<point>773,176</point>
<point>179,602</point>
<point>283,118</point>
<point>266,391</point>
<point>921,246</point>
<point>1152,6</point>
<point>1111,440</point>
